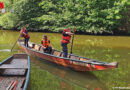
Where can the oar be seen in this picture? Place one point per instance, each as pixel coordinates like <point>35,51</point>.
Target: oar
<point>15,43</point>
<point>72,40</point>
<point>10,85</point>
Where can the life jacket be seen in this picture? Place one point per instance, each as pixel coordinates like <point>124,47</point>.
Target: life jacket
<point>45,43</point>
<point>26,35</point>
<point>66,39</point>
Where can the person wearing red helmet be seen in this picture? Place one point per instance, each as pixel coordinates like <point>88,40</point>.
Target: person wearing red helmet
<point>66,36</point>
<point>24,33</point>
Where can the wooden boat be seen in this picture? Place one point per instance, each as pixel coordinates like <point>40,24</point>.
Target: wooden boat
<point>75,62</point>
<point>15,72</point>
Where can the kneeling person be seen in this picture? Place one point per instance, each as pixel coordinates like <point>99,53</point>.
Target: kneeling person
<point>46,45</point>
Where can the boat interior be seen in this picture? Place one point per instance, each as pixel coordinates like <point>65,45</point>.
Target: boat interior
<point>13,70</point>
<point>16,65</point>
<point>56,52</point>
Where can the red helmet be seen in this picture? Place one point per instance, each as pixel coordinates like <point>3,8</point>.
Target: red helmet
<point>66,30</point>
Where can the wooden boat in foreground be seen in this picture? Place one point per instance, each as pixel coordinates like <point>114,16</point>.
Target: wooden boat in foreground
<point>75,62</point>
<point>15,72</point>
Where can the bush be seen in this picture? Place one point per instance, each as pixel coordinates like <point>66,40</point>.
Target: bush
<point>54,15</point>
<point>8,20</point>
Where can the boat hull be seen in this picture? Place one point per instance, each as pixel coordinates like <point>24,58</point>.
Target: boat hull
<point>77,65</point>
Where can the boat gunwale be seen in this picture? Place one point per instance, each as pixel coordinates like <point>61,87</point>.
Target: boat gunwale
<point>27,75</point>
<point>11,57</point>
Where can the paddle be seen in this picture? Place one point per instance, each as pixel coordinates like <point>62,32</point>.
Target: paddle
<point>72,40</point>
<point>15,43</point>
<point>17,40</point>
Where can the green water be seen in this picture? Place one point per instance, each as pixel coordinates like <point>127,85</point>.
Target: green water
<point>49,76</point>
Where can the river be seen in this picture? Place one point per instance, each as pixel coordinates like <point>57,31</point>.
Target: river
<point>49,76</point>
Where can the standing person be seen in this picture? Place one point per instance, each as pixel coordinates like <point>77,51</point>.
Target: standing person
<point>24,33</point>
<point>66,36</point>
<point>46,45</point>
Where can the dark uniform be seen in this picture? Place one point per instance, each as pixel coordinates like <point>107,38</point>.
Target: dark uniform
<point>65,41</point>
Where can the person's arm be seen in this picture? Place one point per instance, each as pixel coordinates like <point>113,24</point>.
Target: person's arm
<point>25,31</point>
<point>50,43</point>
<point>21,32</point>
<point>41,42</point>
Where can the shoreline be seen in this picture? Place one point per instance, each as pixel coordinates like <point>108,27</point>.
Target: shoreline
<point>79,33</point>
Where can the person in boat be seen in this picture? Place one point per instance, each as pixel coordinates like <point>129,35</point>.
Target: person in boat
<point>47,48</point>
<point>24,33</point>
<point>66,36</point>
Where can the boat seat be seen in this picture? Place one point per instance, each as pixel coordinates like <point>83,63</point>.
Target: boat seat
<point>37,47</point>
<point>74,57</point>
<point>15,64</point>
<point>31,45</point>
<point>56,53</point>
<point>9,66</point>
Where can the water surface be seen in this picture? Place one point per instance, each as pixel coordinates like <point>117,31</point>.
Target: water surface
<point>49,76</point>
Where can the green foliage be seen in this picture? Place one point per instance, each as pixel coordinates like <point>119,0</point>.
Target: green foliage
<point>8,20</point>
<point>87,15</point>
<point>54,15</point>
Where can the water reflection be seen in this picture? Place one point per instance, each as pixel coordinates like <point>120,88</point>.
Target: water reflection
<point>85,80</point>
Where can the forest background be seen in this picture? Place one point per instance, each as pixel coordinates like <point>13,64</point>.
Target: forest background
<point>88,16</point>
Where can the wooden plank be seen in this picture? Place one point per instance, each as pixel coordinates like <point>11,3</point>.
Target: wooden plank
<point>15,64</point>
<point>20,56</point>
<point>20,84</point>
<point>19,61</point>
<point>57,53</point>
<point>7,80</point>
<point>8,66</point>
<point>13,72</point>
<point>37,47</point>
<point>31,45</point>
<point>74,57</point>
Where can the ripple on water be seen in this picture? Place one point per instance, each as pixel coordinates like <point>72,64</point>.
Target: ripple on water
<point>5,50</point>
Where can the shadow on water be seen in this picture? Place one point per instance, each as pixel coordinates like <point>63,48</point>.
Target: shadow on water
<point>85,80</point>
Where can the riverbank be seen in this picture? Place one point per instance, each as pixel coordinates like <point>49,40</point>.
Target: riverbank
<point>119,33</point>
